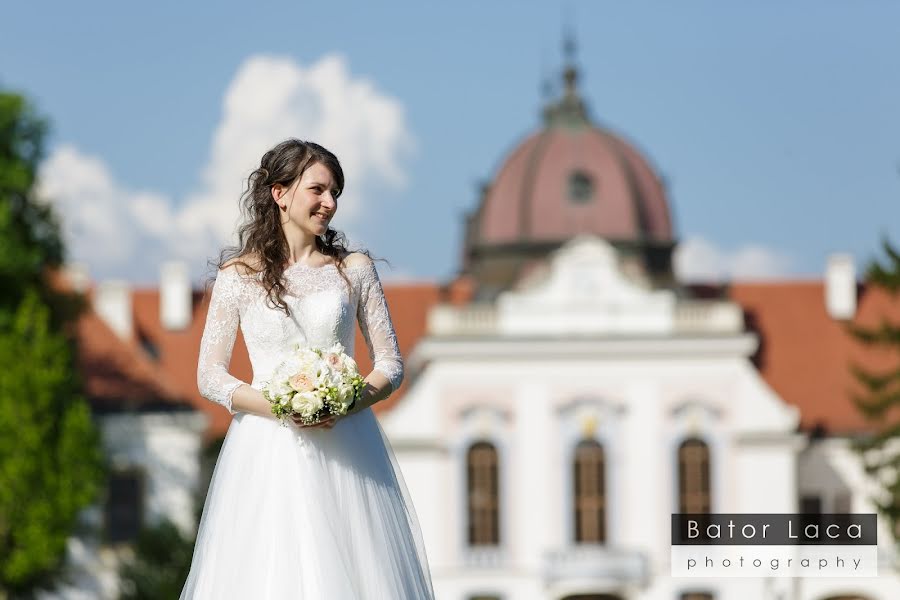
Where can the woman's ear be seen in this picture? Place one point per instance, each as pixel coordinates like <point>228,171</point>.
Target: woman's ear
<point>277,191</point>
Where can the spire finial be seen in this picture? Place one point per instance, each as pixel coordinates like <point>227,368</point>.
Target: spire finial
<point>570,72</point>
<point>569,110</point>
<point>569,46</point>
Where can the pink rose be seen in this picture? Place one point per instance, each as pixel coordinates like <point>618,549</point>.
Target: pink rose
<point>301,382</point>
<point>333,360</point>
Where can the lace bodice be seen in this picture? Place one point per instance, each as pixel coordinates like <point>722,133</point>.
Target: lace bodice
<point>322,313</point>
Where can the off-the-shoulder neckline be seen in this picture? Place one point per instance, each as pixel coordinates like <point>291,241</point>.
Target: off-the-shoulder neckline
<point>307,267</point>
<point>299,265</point>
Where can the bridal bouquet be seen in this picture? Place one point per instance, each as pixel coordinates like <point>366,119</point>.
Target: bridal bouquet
<point>313,383</point>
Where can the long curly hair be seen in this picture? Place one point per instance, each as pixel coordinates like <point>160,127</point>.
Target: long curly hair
<point>262,246</point>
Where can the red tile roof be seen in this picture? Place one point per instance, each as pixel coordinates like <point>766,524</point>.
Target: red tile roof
<point>119,375</point>
<point>178,351</point>
<point>805,354</point>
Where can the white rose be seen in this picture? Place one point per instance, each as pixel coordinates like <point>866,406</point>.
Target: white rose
<point>345,390</point>
<point>289,366</point>
<point>350,366</point>
<point>281,387</point>
<point>308,365</point>
<point>345,394</point>
<point>334,377</point>
<point>307,355</point>
<point>306,404</point>
<point>310,369</point>
<point>278,389</point>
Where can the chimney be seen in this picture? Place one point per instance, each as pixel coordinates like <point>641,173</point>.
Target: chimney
<point>78,276</point>
<point>112,302</point>
<point>175,296</point>
<point>840,286</point>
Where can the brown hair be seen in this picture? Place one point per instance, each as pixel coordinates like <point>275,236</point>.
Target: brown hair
<point>261,234</point>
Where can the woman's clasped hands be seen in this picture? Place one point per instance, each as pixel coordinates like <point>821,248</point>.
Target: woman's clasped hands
<point>326,423</point>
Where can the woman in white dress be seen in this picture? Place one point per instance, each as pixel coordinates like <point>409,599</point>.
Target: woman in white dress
<point>318,512</point>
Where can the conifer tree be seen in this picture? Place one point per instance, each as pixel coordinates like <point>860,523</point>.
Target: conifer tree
<point>879,400</point>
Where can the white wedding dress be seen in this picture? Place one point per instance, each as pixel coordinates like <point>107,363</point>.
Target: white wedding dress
<point>303,514</point>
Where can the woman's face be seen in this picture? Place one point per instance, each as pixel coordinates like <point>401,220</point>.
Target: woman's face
<point>311,201</point>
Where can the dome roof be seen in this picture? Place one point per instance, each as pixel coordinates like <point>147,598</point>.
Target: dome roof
<point>572,177</point>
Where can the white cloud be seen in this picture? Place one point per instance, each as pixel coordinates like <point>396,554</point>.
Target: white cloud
<point>697,259</point>
<point>124,232</point>
<point>95,216</point>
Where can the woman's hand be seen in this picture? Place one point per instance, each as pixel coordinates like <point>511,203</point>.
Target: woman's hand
<point>326,423</point>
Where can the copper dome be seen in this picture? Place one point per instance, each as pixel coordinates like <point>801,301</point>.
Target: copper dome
<point>569,178</point>
<point>573,177</point>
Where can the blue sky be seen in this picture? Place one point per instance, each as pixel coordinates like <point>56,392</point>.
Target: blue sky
<point>775,124</point>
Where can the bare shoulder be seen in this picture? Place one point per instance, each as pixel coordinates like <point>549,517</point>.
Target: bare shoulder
<point>357,259</point>
<point>239,264</point>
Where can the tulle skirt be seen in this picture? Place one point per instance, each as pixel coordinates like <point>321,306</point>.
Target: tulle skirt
<point>311,514</point>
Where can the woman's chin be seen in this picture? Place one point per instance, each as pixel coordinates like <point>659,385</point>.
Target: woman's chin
<point>315,230</point>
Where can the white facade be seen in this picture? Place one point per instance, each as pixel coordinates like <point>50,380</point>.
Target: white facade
<point>582,351</point>
<point>163,449</point>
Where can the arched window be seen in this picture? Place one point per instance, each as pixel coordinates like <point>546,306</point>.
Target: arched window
<point>693,477</point>
<point>590,492</point>
<point>483,494</point>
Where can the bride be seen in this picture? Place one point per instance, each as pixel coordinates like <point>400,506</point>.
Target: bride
<point>311,512</point>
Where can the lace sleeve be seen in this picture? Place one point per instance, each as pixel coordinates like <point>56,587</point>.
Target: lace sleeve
<point>377,329</point>
<point>213,379</point>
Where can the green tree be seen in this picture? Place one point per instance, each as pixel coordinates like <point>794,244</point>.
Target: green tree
<point>51,463</point>
<point>879,400</point>
<point>29,230</point>
<point>160,566</point>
